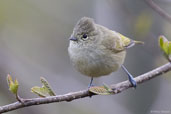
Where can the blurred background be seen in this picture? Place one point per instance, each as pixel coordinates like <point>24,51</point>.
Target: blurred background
<point>34,40</point>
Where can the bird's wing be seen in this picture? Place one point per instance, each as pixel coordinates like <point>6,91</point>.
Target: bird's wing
<point>117,42</point>
<point>122,42</point>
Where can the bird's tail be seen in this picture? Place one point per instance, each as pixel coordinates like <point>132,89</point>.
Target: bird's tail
<point>133,42</point>
<point>138,42</point>
<point>127,42</point>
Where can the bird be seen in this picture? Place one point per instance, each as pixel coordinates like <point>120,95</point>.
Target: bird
<point>96,51</point>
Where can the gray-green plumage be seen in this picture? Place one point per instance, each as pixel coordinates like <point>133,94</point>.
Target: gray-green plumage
<point>95,50</point>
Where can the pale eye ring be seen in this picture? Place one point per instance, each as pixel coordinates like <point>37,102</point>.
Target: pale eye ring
<point>84,36</point>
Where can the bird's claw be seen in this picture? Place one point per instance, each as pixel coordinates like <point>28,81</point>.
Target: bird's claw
<point>133,82</point>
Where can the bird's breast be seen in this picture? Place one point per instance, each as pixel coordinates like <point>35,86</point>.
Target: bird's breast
<point>95,62</point>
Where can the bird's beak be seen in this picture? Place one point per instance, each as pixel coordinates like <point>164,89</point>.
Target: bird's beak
<point>73,38</point>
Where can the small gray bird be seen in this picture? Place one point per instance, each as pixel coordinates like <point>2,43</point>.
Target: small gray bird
<point>97,51</point>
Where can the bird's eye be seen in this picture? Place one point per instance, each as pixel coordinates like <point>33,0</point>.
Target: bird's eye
<point>84,36</point>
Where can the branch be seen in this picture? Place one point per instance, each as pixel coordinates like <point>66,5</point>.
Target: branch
<point>160,11</point>
<point>117,88</point>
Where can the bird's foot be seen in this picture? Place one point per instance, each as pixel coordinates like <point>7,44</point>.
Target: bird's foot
<point>130,77</point>
<point>133,82</point>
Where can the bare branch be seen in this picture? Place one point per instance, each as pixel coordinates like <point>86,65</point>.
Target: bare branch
<point>117,88</point>
<point>160,11</point>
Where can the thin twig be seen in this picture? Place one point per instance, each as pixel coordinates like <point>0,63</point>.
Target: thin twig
<point>117,88</point>
<point>159,10</point>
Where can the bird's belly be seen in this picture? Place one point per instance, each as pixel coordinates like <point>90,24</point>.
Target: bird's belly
<point>96,68</point>
<point>95,64</point>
